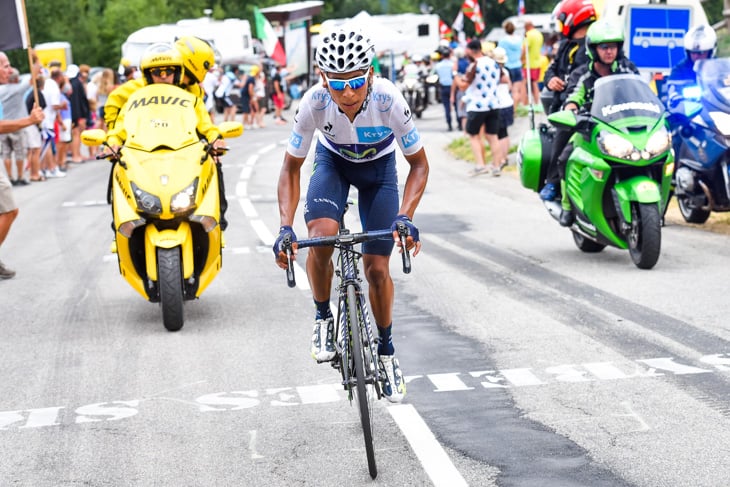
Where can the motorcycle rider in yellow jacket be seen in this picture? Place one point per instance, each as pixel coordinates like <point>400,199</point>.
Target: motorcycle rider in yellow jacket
<point>163,64</point>
<point>197,58</point>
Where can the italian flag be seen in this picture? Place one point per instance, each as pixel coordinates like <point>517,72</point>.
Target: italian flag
<point>268,37</point>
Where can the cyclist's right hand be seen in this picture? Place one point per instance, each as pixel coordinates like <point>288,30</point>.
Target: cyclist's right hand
<point>286,236</point>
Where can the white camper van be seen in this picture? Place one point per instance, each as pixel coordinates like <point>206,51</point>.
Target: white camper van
<point>230,38</point>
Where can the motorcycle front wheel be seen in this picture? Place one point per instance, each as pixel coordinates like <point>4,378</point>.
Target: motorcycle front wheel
<point>690,213</point>
<point>169,275</point>
<point>645,236</point>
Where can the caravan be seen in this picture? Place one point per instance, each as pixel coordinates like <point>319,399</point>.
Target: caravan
<point>230,38</point>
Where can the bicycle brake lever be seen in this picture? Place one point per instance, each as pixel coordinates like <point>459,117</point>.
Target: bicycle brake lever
<point>405,254</point>
<point>290,279</point>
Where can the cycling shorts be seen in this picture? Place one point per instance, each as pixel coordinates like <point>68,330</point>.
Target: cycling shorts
<point>377,185</point>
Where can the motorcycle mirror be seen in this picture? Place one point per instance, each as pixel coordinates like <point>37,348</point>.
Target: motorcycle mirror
<point>93,137</point>
<point>563,119</point>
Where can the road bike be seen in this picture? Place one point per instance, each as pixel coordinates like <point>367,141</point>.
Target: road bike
<point>356,347</point>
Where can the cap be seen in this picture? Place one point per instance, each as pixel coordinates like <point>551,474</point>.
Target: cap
<point>499,55</point>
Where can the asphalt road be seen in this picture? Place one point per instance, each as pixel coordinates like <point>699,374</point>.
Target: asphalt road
<point>528,362</point>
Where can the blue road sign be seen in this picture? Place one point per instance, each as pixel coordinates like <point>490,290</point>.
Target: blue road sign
<point>656,35</point>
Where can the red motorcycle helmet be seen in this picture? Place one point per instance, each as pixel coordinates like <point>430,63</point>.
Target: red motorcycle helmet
<point>573,14</point>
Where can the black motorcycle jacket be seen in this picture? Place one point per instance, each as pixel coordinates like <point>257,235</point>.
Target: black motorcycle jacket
<point>570,56</point>
<point>582,80</point>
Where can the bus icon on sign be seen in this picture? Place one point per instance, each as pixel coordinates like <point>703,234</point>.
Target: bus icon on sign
<point>651,37</point>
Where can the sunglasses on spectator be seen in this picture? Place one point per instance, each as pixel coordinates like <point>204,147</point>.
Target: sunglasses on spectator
<point>607,45</point>
<point>162,72</point>
<point>340,84</point>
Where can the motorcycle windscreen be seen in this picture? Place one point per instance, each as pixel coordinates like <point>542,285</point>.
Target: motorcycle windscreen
<point>621,96</point>
<point>714,78</point>
<point>160,115</point>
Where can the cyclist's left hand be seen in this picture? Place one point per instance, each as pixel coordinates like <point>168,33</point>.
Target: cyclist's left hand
<point>279,255</point>
<point>412,241</point>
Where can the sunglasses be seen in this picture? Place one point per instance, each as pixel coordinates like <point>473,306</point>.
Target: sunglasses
<point>607,45</point>
<point>340,84</point>
<point>162,72</point>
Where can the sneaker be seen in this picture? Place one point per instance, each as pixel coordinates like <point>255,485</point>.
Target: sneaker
<point>6,273</point>
<point>549,192</point>
<point>394,388</point>
<point>55,173</point>
<point>323,346</point>
<point>566,218</point>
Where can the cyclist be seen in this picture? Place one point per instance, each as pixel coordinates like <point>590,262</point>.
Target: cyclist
<point>361,118</point>
<point>700,42</point>
<point>604,42</point>
<point>573,17</point>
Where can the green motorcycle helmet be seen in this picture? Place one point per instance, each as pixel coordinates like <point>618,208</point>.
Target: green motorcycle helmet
<point>602,31</point>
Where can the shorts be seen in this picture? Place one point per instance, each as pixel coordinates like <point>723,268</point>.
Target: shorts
<point>534,74</point>
<point>14,143</point>
<point>489,119</point>
<point>278,100</point>
<point>515,74</point>
<point>32,137</point>
<point>506,118</point>
<point>7,202</point>
<point>377,185</point>
<point>64,134</point>
<point>245,104</point>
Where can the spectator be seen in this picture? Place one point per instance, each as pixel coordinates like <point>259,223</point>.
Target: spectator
<point>505,104</point>
<point>13,144</point>
<point>80,110</point>
<point>531,52</point>
<point>228,83</point>
<point>277,95</point>
<point>260,91</point>
<point>64,127</point>
<point>461,63</point>
<point>512,45</point>
<point>249,102</point>
<point>54,103</point>
<point>444,69</point>
<point>33,132</point>
<point>8,208</point>
<point>482,114</point>
<point>106,82</point>
<point>210,84</point>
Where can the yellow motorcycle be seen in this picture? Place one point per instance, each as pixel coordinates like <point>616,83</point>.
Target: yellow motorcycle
<point>164,191</point>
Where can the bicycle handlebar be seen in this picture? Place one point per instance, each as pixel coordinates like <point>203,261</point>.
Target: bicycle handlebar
<point>344,239</point>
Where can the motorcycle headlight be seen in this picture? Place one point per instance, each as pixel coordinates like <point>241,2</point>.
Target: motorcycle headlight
<point>410,83</point>
<point>722,122</point>
<point>615,146</point>
<point>146,202</point>
<point>658,143</point>
<point>184,200</point>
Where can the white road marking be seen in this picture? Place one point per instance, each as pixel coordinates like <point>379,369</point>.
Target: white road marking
<point>434,459</point>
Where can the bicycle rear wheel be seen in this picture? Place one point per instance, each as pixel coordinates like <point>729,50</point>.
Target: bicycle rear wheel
<point>364,397</point>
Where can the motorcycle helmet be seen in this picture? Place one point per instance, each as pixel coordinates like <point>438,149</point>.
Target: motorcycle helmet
<point>344,50</point>
<point>570,15</point>
<point>197,55</point>
<point>162,56</point>
<point>700,39</point>
<point>599,32</point>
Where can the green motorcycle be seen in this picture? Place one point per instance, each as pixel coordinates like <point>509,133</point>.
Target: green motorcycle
<point>618,175</point>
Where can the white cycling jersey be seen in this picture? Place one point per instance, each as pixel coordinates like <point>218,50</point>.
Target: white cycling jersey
<point>385,122</point>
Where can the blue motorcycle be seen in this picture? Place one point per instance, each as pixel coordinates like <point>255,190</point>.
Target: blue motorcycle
<point>701,138</point>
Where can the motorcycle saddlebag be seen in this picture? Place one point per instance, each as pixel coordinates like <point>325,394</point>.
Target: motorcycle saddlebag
<point>533,156</point>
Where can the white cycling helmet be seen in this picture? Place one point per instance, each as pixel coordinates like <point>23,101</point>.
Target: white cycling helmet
<point>343,51</point>
<point>701,38</point>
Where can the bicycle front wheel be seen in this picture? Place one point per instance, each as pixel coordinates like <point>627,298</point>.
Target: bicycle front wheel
<point>364,398</point>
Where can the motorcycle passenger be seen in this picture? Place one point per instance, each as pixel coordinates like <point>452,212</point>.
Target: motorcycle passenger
<point>604,42</point>
<point>361,119</point>
<point>162,63</point>
<point>573,17</point>
<point>700,42</point>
